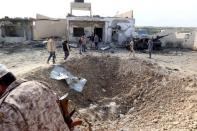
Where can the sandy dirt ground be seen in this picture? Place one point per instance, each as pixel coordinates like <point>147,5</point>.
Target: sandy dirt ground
<point>26,59</point>
<point>161,96</point>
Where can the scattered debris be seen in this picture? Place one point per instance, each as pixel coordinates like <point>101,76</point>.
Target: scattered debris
<point>73,45</point>
<point>171,69</point>
<point>105,48</point>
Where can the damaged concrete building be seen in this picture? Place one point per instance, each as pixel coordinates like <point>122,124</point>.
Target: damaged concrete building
<point>14,30</point>
<point>109,29</point>
<point>183,39</point>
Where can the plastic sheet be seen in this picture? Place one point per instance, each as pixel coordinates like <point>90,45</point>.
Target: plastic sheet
<point>75,83</point>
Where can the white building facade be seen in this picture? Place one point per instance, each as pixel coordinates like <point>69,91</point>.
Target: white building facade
<point>109,29</point>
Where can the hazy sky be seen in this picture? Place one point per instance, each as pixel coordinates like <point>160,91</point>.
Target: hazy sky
<point>146,12</point>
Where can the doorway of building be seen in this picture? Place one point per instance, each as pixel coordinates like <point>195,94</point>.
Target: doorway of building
<point>99,32</point>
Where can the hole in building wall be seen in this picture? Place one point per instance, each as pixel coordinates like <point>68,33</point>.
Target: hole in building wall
<point>78,32</point>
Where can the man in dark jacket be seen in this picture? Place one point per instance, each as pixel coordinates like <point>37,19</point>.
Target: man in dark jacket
<point>66,49</point>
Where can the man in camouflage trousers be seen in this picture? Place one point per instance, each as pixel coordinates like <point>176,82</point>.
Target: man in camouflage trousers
<point>27,105</point>
<point>131,46</point>
<point>150,47</point>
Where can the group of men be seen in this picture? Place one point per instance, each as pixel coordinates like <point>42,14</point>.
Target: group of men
<point>94,39</point>
<point>150,47</point>
<point>82,44</point>
<point>51,47</point>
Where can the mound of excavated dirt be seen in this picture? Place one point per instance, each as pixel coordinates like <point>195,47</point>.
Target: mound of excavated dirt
<point>122,93</point>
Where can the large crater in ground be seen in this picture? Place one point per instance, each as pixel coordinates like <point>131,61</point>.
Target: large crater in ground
<point>115,86</point>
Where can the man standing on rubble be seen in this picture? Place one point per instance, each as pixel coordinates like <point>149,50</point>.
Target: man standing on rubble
<point>84,42</point>
<point>80,45</point>
<point>51,47</point>
<point>96,41</point>
<point>131,44</point>
<point>91,39</point>
<point>27,105</point>
<point>150,47</point>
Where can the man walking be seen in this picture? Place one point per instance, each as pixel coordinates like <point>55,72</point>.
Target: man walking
<point>66,49</point>
<point>150,47</point>
<point>28,105</point>
<point>51,47</point>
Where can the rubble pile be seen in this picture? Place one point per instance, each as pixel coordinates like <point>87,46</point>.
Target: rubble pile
<point>121,93</point>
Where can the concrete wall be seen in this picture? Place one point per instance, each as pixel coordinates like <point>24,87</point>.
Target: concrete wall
<point>24,31</point>
<point>1,39</point>
<point>80,6</point>
<point>29,31</point>
<point>195,41</point>
<point>128,14</point>
<point>47,28</point>
<point>188,40</point>
<point>175,39</point>
<point>171,40</point>
<point>0,32</point>
<point>14,39</point>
